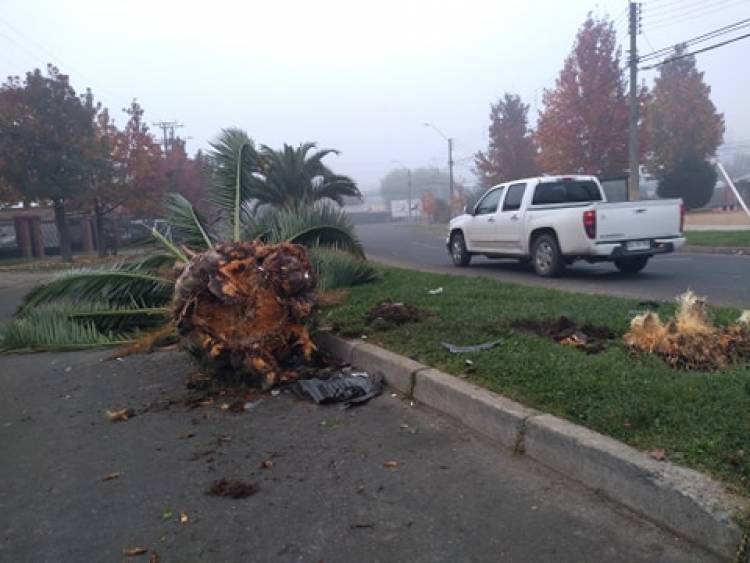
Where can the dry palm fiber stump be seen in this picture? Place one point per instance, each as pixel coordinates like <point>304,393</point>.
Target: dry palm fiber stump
<point>690,340</point>
<point>242,310</point>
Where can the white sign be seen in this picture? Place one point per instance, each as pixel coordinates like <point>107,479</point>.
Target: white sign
<point>400,208</point>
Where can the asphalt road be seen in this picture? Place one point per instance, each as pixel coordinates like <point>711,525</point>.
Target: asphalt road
<point>724,279</point>
<point>326,496</point>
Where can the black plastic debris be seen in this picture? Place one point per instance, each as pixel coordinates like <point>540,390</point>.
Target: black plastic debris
<point>453,349</point>
<point>353,388</point>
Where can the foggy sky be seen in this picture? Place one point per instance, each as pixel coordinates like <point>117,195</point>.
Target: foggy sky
<point>361,77</point>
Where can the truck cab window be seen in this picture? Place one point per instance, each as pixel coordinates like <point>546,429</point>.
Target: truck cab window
<point>575,191</point>
<point>514,197</point>
<point>489,202</point>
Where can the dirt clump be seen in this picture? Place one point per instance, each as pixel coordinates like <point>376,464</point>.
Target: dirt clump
<point>589,338</point>
<point>396,313</point>
<point>232,488</point>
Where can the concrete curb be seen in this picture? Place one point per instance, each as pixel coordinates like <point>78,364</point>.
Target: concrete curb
<point>681,500</point>
<point>729,250</point>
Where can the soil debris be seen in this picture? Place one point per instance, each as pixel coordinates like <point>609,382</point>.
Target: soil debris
<point>111,476</point>
<point>120,415</point>
<point>690,341</point>
<point>395,312</point>
<point>589,338</point>
<point>232,488</point>
<point>658,454</point>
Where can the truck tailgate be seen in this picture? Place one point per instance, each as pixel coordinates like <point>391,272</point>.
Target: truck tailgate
<point>634,220</point>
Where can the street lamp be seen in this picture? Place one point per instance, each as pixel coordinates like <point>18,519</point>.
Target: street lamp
<point>450,160</point>
<point>408,174</point>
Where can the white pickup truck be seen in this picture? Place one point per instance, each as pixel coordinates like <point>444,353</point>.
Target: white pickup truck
<point>553,221</point>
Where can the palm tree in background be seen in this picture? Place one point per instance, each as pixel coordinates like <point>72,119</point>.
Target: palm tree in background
<point>296,177</point>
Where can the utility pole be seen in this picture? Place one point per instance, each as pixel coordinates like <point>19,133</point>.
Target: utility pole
<point>450,174</point>
<point>408,173</point>
<point>634,179</point>
<point>167,128</point>
<point>450,163</point>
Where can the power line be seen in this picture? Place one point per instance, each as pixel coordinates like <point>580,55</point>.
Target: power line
<point>709,48</point>
<point>700,38</point>
<point>660,11</point>
<point>690,15</point>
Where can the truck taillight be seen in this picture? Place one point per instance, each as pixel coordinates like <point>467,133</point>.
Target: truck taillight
<point>682,216</point>
<point>589,223</point>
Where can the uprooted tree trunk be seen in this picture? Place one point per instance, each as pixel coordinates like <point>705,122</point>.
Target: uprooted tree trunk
<point>243,310</point>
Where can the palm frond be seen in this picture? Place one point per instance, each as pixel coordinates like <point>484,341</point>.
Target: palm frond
<point>119,284</point>
<point>295,177</point>
<point>187,223</point>
<point>336,269</point>
<point>234,161</point>
<point>155,261</point>
<point>51,329</point>
<point>170,246</point>
<point>314,225</point>
<point>335,188</point>
<point>119,318</point>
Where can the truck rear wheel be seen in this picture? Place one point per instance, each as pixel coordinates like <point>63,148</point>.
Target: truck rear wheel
<point>547,258</point>
<point>631,265</point>
<point>461,257</point>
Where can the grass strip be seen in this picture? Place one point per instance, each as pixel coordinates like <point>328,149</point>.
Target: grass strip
<point>701,419</point>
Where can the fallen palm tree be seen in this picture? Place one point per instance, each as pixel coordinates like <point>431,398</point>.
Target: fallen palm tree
<point>239,290</point>
<point>690,340</point>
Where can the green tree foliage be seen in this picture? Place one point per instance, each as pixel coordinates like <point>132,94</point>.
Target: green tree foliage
<point>511,152</point>
<point>693,179</point>
<point>46,131</point>
<point>684,129</point>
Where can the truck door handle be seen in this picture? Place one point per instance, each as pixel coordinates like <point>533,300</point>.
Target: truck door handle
<point>514,218</point>
<point>491,220</point>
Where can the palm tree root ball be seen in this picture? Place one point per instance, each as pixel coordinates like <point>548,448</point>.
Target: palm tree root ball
<point>243,310</point>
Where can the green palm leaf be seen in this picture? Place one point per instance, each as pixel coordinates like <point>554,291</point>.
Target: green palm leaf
<point>187,224</point>
<point>233,162</point>
<point>336,269</point>
<point>118,284</point>
<point>46,328</point>
<point>314,225</point>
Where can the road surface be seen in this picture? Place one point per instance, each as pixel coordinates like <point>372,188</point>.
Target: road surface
<point>452,496</point>
<point>326,495</point>
<point>724,279</point>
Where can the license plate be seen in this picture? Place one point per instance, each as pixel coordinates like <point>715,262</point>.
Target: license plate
<point>638,245</point>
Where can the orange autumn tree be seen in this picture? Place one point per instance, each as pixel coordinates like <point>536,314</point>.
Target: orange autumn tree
<point>583,126</point>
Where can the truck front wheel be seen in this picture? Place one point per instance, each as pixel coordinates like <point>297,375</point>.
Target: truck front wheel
<point>546,255</point>
<point>461,257</point>
<point>631,265</point>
